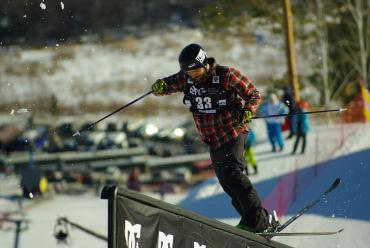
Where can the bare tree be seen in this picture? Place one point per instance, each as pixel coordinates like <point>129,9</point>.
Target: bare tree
<point>360,10</point>
<point>318,13</point>
<point>324,44</point>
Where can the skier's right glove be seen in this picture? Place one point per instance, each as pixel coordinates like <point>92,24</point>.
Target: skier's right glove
<point>159,87</point>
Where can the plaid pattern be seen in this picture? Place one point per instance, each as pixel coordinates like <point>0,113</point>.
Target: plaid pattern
<point>218,129</point>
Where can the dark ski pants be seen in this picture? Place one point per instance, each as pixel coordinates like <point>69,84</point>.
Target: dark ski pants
<point>228,163</point>
<point>303,137</point>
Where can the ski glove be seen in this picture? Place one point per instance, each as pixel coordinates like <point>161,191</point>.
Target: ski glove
<point>245,117</point>
<point>159,87</point>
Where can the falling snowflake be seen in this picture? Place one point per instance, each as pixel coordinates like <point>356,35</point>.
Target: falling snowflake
<point>76,134</point>
<point>12,112</point>
<point>43,6</point>
<point>61,5</point>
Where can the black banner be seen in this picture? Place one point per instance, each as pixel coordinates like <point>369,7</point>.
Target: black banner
<point>138,221</point>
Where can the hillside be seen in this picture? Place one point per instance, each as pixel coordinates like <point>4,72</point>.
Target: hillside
<point>88,76</point>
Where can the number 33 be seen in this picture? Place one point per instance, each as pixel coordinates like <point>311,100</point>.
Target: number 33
<point>203,103</point>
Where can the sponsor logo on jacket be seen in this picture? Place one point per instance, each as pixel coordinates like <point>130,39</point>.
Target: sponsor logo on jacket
<point>197,91</point>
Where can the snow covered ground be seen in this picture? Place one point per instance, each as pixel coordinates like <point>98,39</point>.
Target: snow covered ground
<point>286,183</point>
<point>333,151</point>
<point>87,210</point>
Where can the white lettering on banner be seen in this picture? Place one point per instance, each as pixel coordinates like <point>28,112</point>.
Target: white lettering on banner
<point>201,56</point>
<point>197,245</point>
<point>165,241</point>
<point>132,233</point>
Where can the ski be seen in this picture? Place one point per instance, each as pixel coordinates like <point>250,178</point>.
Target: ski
<point>309,206</point>
<point>272,234</point>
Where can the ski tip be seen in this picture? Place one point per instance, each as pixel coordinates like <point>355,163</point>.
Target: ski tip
<point>341,230</point>
<point>342,109</point>
<point>336,182</point>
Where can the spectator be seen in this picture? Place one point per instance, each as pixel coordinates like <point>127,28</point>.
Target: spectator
<point>274,107</point>
<point>300,126</point>
<point>133,182</point>
<point>248,154</point>
<point>289,101</point>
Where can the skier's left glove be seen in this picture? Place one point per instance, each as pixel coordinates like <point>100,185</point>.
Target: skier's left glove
<point>245,117</point>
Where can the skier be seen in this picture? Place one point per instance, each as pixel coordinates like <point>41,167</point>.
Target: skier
<point>300,126</point>
<point>248,154</point>
<point>289,101</point>
<point>222,102</point>
<point>133,181</point>
<point>274,107</point>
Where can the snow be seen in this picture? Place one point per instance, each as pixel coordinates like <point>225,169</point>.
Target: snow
<point>287,183</point>
<point>348,207</point>
<point>117,71</point>
<point>22,111</point>
<point>87,210</point>
<point>344,151</point>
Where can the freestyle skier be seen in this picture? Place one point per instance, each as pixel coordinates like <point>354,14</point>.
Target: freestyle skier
<point>222,101</point>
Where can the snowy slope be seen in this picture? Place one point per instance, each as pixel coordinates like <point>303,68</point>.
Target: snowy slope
<point>87,210</point>
<point>348,207</point>
<point>340,151</point>
<point>287,183</point>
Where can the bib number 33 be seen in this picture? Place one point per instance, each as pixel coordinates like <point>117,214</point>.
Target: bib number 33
<point>203,102</point>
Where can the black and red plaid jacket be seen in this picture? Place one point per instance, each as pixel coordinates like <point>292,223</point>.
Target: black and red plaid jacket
<point>217,129</point>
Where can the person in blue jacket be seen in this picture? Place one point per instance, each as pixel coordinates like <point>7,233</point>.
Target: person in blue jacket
<point>274,107</point>
<point>300,125</point>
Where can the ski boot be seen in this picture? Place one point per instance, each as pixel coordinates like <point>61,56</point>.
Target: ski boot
<point>272,226</point>
<point>274,223</point>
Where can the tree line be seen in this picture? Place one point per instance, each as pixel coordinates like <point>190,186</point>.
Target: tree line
<point>336,33</point>
<point>31,21</point>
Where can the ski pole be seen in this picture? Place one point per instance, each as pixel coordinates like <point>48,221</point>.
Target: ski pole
<point>62,220</point>
<point>115,111</point>
<point>301,113</point>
